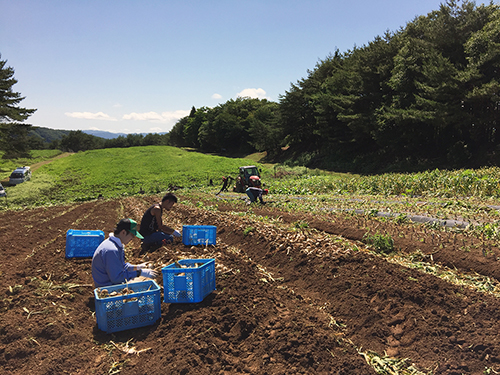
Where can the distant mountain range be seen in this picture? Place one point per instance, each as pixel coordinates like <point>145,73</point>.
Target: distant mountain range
<point>48,135</point>
<point>103,134</point>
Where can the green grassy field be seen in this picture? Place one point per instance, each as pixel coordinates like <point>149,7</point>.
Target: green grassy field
<point>156,169</point>
<point>8,165</point>
<point>117,172</point>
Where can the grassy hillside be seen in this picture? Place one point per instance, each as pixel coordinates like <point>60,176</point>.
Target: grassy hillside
<point>119,172</point>
<point>8,165</point>
<point>156,169</point>
<point>47,135</point>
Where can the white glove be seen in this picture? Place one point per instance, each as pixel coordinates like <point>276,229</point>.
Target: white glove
<point>177,233</point>
<point>149,273</point>
<point>141,266</point>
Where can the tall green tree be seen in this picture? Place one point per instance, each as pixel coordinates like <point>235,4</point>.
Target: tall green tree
<point>297,109</point>
<point>193,124</point>
<point>423,95</point>
<point>347,101</point>
<point>482,100</point>
<point>333,103</point>
<point>176,135</point>
<point>13,133</point>
<point>264,133</point>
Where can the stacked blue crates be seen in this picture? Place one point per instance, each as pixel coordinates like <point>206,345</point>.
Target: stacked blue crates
<point>138,309</point>
<point>189,284</point>
<point>82,243</point>
<point>199,235</point>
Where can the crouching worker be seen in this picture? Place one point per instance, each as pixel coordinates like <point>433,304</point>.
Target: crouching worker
<point>108,263</point>
<point>153,230</point>
<point>255,193</point>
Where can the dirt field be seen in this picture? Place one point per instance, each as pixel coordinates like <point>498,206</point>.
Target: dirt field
<point>303,301</point>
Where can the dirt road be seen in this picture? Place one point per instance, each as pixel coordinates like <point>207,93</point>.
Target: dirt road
<point>35,166</point>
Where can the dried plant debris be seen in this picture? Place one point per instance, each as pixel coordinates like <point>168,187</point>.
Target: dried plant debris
<point>104,293</point>
<point>128,349</point>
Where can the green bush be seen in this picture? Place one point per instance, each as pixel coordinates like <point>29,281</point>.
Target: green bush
<point>382,243</point>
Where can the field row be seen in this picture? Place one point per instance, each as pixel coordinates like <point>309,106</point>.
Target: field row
<point>385,307</point>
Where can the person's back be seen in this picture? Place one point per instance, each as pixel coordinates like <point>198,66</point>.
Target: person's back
<point>108,263</point>
<point>154,231</point>
<point>149,225</point>
<point>100,266</point>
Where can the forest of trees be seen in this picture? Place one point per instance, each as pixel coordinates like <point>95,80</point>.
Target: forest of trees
<point>428,93</point>
<point>424,96</point>
<point>236,127</point>
<point>77,140</point>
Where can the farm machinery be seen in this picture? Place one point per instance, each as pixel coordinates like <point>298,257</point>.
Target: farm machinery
<point>248,176</point>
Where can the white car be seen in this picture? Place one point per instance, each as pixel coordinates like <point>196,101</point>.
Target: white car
<point>3,193</point>
<point>19,175</point>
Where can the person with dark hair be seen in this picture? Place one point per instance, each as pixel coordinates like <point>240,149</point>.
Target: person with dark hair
<point>153,230</point>
<point>108,263</point>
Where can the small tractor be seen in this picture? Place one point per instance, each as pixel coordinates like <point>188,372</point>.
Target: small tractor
<point>248,176</point>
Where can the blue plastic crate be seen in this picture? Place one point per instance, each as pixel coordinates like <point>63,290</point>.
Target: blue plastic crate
<point>138,309</point>
<point>82,243</point>
<point>191,284</point>
<point>199,234</point>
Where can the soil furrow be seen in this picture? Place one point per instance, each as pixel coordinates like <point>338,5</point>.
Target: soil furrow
<point>296,294</point>
<point>386,308</point>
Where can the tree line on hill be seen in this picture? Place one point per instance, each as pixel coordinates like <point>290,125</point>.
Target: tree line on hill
<point>77,140</point>
<point>425,95</point>
<point>428,93</point>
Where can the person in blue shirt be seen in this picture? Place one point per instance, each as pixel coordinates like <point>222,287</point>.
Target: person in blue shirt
<point>108,263</point>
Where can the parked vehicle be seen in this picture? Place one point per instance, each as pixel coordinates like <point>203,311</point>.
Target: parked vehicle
<point>3,193</point>
<point>20,175</point>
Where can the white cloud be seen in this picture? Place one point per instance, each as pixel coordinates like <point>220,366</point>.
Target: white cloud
<point>164,117</point>
<point>216,96</point>
<point>253,93</point>
<point>146,122</point>
<point>90,116</point>
<point>147,116</point>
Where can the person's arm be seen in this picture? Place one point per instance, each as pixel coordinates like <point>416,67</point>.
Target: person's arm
<point>156,212</point>
<point>140,270</point>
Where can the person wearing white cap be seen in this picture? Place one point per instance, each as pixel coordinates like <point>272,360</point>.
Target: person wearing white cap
<point>108,263</point>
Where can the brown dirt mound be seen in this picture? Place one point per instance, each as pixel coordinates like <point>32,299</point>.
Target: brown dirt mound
<point>287,301</point>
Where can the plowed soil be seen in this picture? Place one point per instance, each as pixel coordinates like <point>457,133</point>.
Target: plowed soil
<point>289,299</point>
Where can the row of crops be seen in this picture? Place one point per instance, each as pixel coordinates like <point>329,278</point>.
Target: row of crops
<point>483,183</point>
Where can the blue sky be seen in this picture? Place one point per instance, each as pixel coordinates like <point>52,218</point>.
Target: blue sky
<point>138,66</point>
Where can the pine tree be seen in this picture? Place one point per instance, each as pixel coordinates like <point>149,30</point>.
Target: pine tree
<point>13,133</point>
